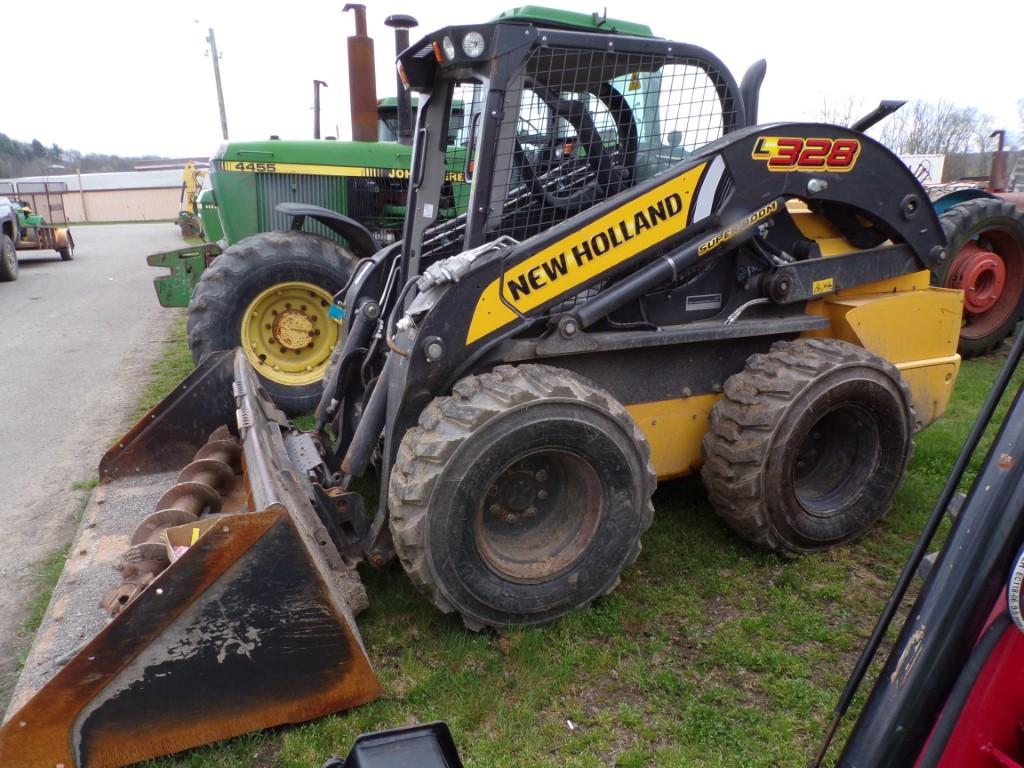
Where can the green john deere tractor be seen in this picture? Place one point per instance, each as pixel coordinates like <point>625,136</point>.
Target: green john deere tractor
<point>261,284</point>
<point>213,232</point>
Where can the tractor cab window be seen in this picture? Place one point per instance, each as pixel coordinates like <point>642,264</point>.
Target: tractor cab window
<point>677,109</point>
<point>461,132</point>
<point>689,108</point>
<point>589,124</point>
<point>463,128</point>
<point>387,128</point>
<point>565,129</point>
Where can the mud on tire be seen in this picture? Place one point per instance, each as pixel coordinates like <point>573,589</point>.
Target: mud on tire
<point>808,446</point>
<point>521,497</point>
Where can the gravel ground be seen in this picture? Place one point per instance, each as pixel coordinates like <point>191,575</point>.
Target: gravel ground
<point>78,340</point>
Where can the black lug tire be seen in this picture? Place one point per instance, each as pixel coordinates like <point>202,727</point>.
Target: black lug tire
<point>8,260</point>
<point>66,254</point>
<point>469,439</point>
<point>240,274</point>
<point>851,412</point>
<point>964,222</point>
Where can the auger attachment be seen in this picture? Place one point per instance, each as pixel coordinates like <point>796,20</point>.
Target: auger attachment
<point>234,610</point>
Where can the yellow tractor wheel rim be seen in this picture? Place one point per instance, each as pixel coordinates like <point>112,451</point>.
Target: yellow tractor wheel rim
<point>287,334</point>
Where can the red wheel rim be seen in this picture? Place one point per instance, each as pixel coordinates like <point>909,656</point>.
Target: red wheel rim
<point>990,272</point>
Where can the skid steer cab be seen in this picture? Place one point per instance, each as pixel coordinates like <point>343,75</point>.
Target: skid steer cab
<point>644,284</point>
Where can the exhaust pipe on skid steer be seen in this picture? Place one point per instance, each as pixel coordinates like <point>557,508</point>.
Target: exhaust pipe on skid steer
<point>402,24</point>
<point>245,622</point>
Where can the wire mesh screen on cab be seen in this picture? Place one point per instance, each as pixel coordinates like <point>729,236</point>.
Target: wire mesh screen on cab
<point>582,125</point>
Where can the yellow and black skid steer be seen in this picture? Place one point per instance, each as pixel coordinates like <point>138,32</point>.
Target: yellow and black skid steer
<point>646,283</point>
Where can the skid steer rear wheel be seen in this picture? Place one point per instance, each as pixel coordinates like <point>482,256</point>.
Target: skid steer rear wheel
<point>521,497</point>
<point>270,294</point>
<point>986,262</point>
<point>809,445</point>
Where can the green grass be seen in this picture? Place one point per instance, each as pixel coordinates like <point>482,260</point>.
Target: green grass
<point>173,364</point>
<point>46,573</point>
<point>708,654</point>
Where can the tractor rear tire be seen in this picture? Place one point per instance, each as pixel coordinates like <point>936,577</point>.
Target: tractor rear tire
<point>808,446</point>
<point>236,304</point>
<point>8,260</point>
<point>521,497</point>
<point>986,260</point>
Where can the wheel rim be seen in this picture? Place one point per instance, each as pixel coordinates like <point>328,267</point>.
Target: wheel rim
<point>287,334</point>
<point>990,272</point>
<point>11,257</point>
<point>539,515</point>
<point>836,458</point>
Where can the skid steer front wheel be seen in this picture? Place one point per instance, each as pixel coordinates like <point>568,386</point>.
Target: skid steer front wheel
<point>270,294</point>
<point>808,445</point>
<point>521,497</point>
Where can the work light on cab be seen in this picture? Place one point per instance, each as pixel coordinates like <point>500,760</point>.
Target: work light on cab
<point>473,44</point>
<point>448,47</point>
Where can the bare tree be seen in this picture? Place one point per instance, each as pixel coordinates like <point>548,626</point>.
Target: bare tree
<point>839,111</point>
<point>936,127</point>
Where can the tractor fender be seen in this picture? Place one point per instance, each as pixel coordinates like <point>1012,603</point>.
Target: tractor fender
<point>369,279</point>
<point>359,239</point>
<point>63,238</point>
<point>944,203</point>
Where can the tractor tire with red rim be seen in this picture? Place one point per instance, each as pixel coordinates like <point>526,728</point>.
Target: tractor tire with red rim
<point>270,294</point>
<point>521,497</point>
<point>986,262</point>
<point>808,445</point>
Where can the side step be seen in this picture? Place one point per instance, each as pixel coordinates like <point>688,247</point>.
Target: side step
<point>246,623</point>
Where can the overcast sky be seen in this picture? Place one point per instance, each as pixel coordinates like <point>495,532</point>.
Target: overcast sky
<point>131,77</point>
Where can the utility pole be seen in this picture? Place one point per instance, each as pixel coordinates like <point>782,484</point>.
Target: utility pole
<point>216,76</point>
<point>316,107</point>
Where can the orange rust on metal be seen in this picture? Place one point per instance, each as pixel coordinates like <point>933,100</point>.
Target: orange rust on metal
<point>199,488</point>
<point>98,709</point>
<point>362,79</point>
<point>167,436</point>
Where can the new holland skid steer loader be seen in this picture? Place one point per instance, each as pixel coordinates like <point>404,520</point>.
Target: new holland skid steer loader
<point>645,281</point>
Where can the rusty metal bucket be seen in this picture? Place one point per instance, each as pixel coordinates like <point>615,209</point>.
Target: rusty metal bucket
<point>233,609</point>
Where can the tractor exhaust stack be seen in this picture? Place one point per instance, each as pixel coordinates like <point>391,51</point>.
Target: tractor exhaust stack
<point>362,79</point>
